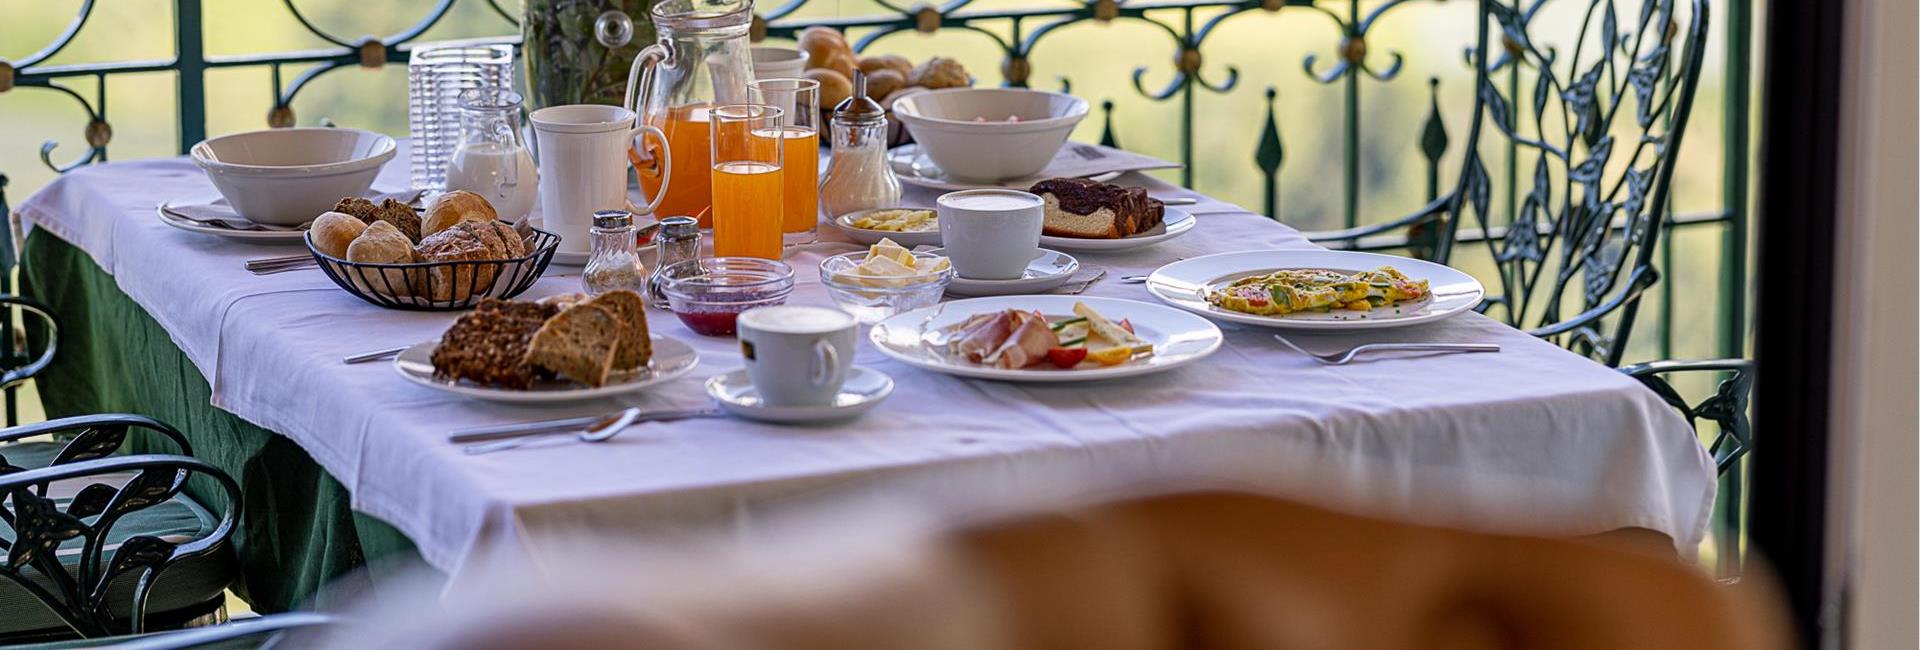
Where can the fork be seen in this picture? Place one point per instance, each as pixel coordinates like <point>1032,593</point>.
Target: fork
<point>1341,358</point>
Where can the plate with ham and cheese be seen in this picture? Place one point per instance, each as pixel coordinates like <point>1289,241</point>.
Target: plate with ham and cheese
<point>1046,338</point>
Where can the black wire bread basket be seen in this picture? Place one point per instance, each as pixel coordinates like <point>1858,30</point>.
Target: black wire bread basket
<point>440,286</point>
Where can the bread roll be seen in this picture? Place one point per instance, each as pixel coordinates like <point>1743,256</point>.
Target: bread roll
<point>892,62</point>
<point>454,207</point>
<point>834,87</point>
<point>882,83</point>
<point>460,281</point>
<point>381,244</point>
<point>333,232</point>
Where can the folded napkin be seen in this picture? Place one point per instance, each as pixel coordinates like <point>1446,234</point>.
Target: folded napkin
<point>219,214</point>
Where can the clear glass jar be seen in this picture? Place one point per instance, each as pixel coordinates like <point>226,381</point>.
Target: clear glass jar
<point>491,159</point>
<point>678,241</point>
<point>615,262</point>
<point>436,75</point>
<point>858,176</point>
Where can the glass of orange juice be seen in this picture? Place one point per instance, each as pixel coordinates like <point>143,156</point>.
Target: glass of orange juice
<point>748,205</point>
<point>800,133</point>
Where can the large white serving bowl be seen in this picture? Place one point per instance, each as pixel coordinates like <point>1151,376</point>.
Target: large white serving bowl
<point>944,123</point>
<point>286,177</point>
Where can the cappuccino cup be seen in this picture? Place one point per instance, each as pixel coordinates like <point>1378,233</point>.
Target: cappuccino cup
<point>990,234</point>
<point>798,355</point>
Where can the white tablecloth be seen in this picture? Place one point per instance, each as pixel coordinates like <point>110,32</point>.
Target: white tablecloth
<point>1531,440</point>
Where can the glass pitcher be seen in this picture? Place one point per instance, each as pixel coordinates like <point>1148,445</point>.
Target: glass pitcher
<point>490,159</point>
<point>701,60</point>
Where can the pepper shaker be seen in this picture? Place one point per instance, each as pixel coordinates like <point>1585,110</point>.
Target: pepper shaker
<point>679,240</point>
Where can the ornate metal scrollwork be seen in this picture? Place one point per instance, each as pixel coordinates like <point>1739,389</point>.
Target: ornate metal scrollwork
<point>79,593</point>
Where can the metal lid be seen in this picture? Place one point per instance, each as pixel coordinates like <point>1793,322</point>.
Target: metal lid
<point>679,227</point>
<point>609,219</point>
<point>858,108</point>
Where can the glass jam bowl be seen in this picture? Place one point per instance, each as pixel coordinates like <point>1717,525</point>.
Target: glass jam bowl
<point>874,298</point>
<point>708,293</point>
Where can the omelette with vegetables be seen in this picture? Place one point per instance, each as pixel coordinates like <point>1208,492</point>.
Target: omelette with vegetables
<point>1293,291</point>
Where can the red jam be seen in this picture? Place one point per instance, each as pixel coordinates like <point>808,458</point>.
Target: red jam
<point>710,323</point>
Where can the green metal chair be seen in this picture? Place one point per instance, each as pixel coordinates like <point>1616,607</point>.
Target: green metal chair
<point>1601,129</point>
<point>1727,408</point>
<point>99,544</point>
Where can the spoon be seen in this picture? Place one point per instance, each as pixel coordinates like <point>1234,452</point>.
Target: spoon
<point>607,427</point>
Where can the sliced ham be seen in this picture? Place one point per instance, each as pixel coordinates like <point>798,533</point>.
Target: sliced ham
<point>1027,344</point>
<point>980,335</point>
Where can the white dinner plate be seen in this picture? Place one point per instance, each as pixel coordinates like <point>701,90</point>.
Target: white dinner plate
<point>908,239</point>
<point>255,236</point>
<point>865,389</point>
<point>915,168</point>
<point>1178,338</point>
<point>1047,270</point>
<point>1184,284</point>
<point>1174,222</point>
<point>671,359</point>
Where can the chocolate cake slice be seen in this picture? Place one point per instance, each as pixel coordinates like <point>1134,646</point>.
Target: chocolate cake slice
<point>488,346</point>
<point>1077,207</point>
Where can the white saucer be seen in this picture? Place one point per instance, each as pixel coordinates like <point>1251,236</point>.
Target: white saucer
<point>1174,222</point>
<point>865,389</point>
<point>563,258</point>
<point>915,168</point>
<point>1049,269</point>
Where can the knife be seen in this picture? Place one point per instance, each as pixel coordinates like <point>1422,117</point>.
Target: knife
<point>502,432</point>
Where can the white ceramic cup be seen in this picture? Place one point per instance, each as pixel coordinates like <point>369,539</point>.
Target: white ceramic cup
<point>582,151</point>
<point>778,62</point>
<point>990,234</point>
<point>798,355</point>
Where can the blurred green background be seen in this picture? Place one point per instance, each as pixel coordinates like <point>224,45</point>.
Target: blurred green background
<point>1099,59</point>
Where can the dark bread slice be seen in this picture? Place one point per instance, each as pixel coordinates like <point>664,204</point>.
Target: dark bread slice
<point>488,346</point>
<point>577,344</point>
<point>635,347</point>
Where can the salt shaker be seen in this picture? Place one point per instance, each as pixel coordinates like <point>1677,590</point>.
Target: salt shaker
<point>858,176</point>
<point>679,241</point>
<point>614,263</point>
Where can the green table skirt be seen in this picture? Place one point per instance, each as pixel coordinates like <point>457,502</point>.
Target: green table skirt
<point>296,530</point>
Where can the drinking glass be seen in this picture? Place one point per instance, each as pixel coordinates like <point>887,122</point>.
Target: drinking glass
<point>436,75</point>
<point>747,198</point>
<point>800,135</point>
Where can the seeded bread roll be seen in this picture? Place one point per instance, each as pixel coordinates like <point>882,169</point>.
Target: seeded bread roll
<point>401,216</point>
<point>578,344</point>
<point>459,281</point>
<point>455,207</point>
<point>333,232</point>
<point>635,347</point>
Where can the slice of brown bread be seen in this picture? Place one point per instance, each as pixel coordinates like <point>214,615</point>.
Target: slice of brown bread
<point>488,346</point>
<point>635,346</point>
<point>577,344</point>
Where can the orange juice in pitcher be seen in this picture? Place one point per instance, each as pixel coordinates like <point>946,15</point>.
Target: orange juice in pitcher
<point>690,192</point>
<point>702,59</point>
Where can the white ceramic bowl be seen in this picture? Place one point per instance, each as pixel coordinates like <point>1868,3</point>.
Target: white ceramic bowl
<point>966,131</point>
<point>286,177</point>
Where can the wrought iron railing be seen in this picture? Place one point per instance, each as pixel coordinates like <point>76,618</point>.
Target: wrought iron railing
<point>1351,64</point>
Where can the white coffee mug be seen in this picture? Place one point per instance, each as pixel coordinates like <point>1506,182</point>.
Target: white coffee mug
<point>990,234</point>
<point>798,355</point>
<point>582,151</point>
<point>778,62</point>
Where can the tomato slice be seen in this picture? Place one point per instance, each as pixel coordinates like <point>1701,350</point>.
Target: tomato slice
<point>1067,357</point>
